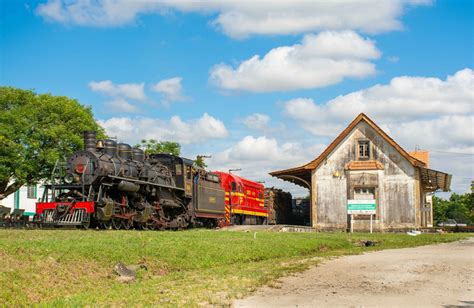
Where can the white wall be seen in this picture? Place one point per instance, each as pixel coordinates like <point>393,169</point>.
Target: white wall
<point>20,199</point>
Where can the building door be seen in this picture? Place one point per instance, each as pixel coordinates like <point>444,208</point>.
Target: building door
<point>427,211</point>
<point>362,222</point>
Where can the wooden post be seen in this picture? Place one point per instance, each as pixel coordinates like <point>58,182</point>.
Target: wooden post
<point>352,223</point>
<point>370,223</point>
<point>314,201</point>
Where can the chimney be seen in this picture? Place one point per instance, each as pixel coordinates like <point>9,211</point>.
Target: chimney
<point>89,141</point>
<point>421,155</point>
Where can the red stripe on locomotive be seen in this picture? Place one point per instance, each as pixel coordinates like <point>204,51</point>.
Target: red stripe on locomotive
<point>87,205</point>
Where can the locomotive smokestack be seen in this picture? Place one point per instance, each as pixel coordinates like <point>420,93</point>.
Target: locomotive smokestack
<point>89,141</point>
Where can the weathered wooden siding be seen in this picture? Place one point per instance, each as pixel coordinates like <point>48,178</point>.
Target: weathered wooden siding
<point>396,188</point>
<point>332,191</point>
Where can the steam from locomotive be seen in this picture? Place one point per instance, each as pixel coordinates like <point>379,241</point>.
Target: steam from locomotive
<point>112,185</point>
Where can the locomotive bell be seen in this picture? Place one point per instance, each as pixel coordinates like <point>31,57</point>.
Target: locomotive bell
<point>100,145</point>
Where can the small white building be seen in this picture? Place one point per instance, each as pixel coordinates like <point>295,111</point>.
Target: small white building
<point>24,198</point>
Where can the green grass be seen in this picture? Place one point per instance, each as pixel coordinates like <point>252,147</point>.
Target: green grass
<point>73,267</point>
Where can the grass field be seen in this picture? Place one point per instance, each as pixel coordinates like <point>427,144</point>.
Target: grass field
<point>74,267</point>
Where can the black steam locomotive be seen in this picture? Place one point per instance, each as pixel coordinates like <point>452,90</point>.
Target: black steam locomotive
<point>110,185</point>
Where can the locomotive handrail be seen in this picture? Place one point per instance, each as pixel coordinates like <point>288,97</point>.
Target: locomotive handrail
<point>144,182</point>
<point>52,177</point>
<point>82,178</point>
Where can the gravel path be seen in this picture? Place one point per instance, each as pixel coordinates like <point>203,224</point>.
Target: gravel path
<point>428,276</point>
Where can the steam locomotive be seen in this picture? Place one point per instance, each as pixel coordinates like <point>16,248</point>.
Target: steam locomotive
<point>115,186</point>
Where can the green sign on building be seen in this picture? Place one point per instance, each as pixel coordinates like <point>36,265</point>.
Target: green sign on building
<point>361,207</point>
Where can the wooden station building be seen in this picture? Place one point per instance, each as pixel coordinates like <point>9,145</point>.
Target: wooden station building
<point>362,163</point>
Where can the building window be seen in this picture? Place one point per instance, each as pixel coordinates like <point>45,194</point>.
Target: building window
<point>364,150</point>
<point>364,193</point>
<point>31,192</point>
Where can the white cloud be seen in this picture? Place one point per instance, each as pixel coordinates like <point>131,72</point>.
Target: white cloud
<point>429,113</point>
<point>171,90</point>
<point>393,59</point>
<point>121,105</point>
<point>257,121</point>
<point>126,90</point>
<point>257,156</point>
<point>132,130</point>
<point>320,60</point>
<point>241,18</point>
<point>404,99</point>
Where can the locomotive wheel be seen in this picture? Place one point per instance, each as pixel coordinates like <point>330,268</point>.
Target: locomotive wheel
<point>141,226</point>
<point>106,225</point>
<point>116,223</point>
<point>127,224</point>
<point>151,225</point>
<point>86,224</point>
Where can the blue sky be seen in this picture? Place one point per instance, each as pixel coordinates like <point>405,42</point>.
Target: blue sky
<point>113,55</point>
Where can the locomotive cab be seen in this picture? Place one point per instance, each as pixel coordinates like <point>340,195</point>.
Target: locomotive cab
<point>181,168</point>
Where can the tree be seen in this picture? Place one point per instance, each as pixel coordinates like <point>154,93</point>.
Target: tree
<point>153,147</point>
<point>457,207</point>
<point>200,161</point>
<point>35,131</point>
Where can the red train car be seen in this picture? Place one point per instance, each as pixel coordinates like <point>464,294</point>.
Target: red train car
<point>244,200</point>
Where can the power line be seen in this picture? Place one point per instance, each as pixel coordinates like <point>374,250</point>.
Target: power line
<point>452,153</point>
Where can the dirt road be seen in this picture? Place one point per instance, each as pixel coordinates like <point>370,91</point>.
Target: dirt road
<point>429,276</point>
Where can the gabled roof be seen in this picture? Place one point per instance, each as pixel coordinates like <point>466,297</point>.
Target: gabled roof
<point>318,160</point>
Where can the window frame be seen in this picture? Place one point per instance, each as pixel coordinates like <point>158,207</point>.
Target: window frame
<point>368,150</point>
<point>31,192</point>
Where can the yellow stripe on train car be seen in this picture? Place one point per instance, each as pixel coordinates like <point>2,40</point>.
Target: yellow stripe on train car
<point>236,211</point>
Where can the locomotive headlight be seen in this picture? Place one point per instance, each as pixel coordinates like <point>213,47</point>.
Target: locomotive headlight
<point>69,178</point>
